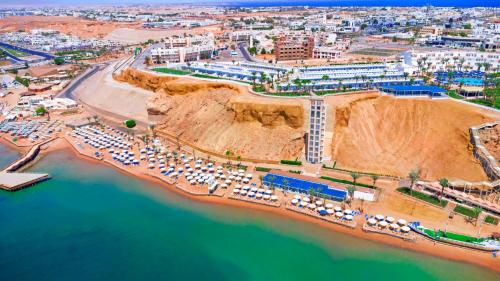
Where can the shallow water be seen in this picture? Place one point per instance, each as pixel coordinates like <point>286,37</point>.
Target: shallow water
<point>90,222</point>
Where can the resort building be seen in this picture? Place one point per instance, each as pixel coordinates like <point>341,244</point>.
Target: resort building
<point>317,118</point>
<point>294,48</point>
<point>302,184</point>
<point>184,49</point>
<point>325,53</point>
<point>454,59</point>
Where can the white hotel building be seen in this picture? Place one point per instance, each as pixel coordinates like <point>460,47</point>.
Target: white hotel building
<point>317,119</point>
<point>438,60</point>
<point>184,49</point>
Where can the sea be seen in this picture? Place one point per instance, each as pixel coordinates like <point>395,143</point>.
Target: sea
<point>91,222</point>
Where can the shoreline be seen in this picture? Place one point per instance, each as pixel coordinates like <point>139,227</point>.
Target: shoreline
<point>421,245</point>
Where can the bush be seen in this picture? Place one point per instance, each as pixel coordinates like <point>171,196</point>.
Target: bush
<point>346,182</point>
<point>465,211</point>
<point>58,60</point>
<point>41,111</point>
<point>262,169</point>
<point>422,196</point>
<point>23,81</point>
<point>130,123</point>
<point>295,172</point>
<point>291,162</point>
<point>491,220</point>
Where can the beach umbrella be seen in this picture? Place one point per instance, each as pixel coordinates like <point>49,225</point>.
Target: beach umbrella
<point>329,206</point>
<point>394,226</point>
<point>266,197</point>
<point>237,185</point>
<point>348,212</point>
<point>254,189</point>
<point>379,217</point>
<point>303,204</point>
<point>241,171</point>
<point>311,206</point>
<point>228,182</point>
<point>372,221</point>
<point>189,178</point>
<point>193,182</point>
<point>295,201</point>
<point>402,222</point>
<point>151,166</point>
<point>383,224</point>
<point>251,194</point>
<point>236,190</point>
<point>273,197</point>
<point>238,178</point>
<point>306,199</point>
<point>339,214</point>
<point>261,190</point>
<point>405,229</point>
<point>258,195</point>
<point>246,187</point>
<point>348,217</point>
<point>249,176</point>
<point>319,203</point>
<point>390,219</point>
<point>243,192</point>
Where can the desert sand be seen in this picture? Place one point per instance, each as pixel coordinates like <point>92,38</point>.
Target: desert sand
<point>220,116</point>
<point>69,25</point>
<point>392,136</point>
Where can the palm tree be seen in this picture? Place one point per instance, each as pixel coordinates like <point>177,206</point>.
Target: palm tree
<point>414,176</point>
<point>312,192</point>
<point>444,183</point>
<point>285,184</point>
<point>271,180</point>
<point>374,178</point>
<point>261,179</point>
<point>355,176</point>
<point>263,78</point>
<point>254,77</point>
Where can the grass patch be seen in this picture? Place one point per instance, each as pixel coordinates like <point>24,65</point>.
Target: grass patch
<point>262,169</point>
<point>453,236</point>
<point>197,75</point>
<point>465,211</point>
<point>171,71</point>
<point>453,94</point>
<point>332,92</point>
<point>491,220</point>
<point>15,53</point>
<point>347,182</point>
<point>291,162</point>
<point>288,94</point>
<point>259,89</point>
<point>487,102</point>
<point>422,196</point>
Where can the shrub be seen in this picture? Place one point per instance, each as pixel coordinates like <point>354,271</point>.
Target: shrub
<point>291,162</point>
<point>491,220</point>
<point>262,169</point>
<point>346,182</point>
<point>295,172</point>
<point>422,196</point>
<point>130,123</point>
<point>58,60</point>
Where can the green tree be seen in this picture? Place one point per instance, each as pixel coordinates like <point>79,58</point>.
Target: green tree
<point>355,176</point>
<point>414,176</point>
<point>58,60</point>
<point>41,111</point>
<point>444,183</point>
<point>374,178</point>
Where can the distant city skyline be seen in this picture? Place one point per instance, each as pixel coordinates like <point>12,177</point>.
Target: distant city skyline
<point>250,3</point>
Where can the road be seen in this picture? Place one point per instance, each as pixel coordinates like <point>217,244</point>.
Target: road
<point>244,52</point>
<point>68,91</point>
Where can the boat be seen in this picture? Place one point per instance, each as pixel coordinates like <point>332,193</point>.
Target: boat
<point>478,243</point>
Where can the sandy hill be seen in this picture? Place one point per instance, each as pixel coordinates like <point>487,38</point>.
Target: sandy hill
<point>219,116</point>
<point>392,136</point>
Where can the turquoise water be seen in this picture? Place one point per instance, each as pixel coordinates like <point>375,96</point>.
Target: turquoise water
<point>7,156</point>
<point>470,81</point>
<point>92,223</point>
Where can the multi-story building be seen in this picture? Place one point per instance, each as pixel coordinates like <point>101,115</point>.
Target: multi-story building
<point>325,53</point>
<point>317,119</point>
<point>454,59</point>
<point>294,47</point>
<point>184,49</point>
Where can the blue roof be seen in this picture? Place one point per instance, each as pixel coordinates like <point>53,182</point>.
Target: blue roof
<point>305,185</point>
<point>428,88</point>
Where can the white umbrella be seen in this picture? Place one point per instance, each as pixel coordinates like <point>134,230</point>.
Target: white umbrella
<point>295,201</point>
<point>228,182</point>
<point>311,206</point>
<point>394,226</point>
<point>302,203</point>
<point>372,221</point>
<point>319,203</point>
<point>243,192</point>
<point>348,212</point>
<point>402,222</point>
<point>348,217</point>
<point>337,209</point>
<point>258,195</point>
<point>405,229</point>
<point>236,190</point>
<point>339,214</point>
<point>273,197</point>
<point>390,219</point>
<point>379,217</point>
<point>251,193</point>
<point>249,176</point>
<point>329,206</point>
<point>306,199</point>
<point>296,196</point>
<point>383,224</point>
<point>266,197</point>
<point>246,187</point>
<point>330,211</point>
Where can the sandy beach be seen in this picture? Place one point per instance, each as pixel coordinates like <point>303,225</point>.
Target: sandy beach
<point>421,245</point>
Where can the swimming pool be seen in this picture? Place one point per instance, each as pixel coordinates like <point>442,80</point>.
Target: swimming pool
<point>469,81</point>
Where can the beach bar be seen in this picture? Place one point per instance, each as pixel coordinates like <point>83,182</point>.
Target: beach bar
<point>302,184</point>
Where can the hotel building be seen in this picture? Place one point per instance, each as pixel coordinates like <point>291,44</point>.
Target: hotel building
<point>317,118</point>
<point>294,48</point>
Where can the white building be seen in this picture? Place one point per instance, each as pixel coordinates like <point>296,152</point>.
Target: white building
<point>454,59</point>
<point>325,53</point>
<point>317,118</point>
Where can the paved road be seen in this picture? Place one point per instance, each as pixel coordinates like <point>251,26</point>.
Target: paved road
<point>68,91</point>
<point>244,52</point>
